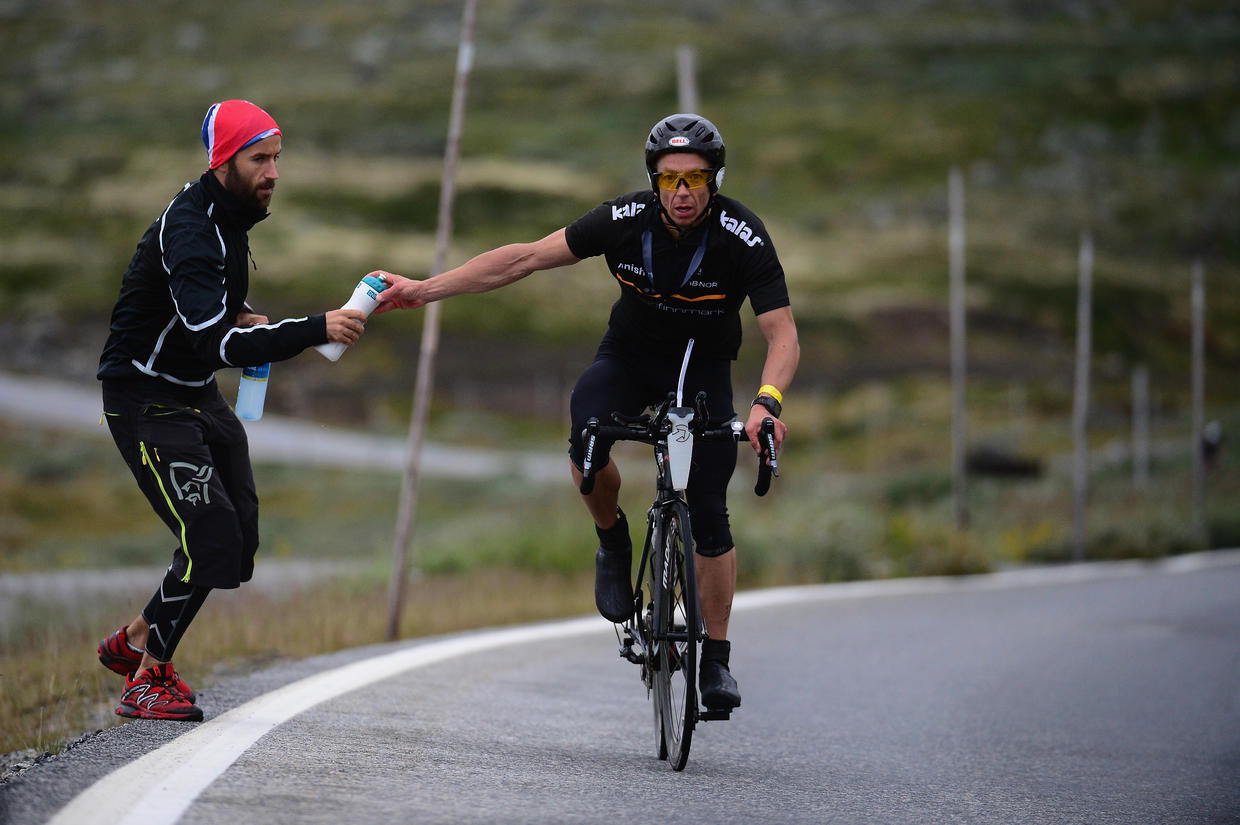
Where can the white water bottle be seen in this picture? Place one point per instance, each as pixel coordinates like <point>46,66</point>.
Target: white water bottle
<point>680,445</point>
<point>365,297</point>
<point>252,391</point>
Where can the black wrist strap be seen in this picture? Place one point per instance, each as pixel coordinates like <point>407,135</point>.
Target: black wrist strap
<point>772,406</point>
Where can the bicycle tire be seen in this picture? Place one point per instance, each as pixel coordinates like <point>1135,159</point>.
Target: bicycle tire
<point>646,623</point>
<point>675,635</point>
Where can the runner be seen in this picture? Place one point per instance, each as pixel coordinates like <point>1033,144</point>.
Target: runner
<point>181,315</point>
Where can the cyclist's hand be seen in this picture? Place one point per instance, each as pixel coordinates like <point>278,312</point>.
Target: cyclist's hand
<point>345,326</point>
<point>402,292</point>
<point>753,428</point>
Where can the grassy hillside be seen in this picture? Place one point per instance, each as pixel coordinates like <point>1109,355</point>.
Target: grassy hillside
<point>841,127</point>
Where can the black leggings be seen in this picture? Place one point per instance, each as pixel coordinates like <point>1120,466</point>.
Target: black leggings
<point>169,612</point>
<point>190,457</point>
<point>617,383</point>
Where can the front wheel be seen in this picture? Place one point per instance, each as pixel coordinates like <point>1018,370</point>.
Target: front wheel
<point>675,635</point>
<point>646,627</point>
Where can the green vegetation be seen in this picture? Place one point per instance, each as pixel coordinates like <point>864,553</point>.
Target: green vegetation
<point>841,128</point>
<point>1123,120</point>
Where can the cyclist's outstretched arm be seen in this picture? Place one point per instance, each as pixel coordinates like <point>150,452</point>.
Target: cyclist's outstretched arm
<point>783,352</point>
<point>482,273</point>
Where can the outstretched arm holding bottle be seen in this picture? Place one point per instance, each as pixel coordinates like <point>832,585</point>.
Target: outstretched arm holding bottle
<point>482,273</point>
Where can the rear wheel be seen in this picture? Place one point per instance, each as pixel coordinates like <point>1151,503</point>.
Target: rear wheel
<point>675,637</point>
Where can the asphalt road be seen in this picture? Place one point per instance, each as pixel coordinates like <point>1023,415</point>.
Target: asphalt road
<point>1088,694</point>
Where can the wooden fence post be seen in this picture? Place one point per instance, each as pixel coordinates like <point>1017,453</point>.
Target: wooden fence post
<point>686,79</point>
<point>424,386</point>
<point>1080,403</point>
<point>955,244</point>
<point>1140,427</point>
<point>1199,399</point>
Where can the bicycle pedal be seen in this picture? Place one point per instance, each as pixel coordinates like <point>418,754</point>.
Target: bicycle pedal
<point>720,714</point>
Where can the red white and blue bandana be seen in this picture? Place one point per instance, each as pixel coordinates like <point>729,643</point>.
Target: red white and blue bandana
<point>232,125</point>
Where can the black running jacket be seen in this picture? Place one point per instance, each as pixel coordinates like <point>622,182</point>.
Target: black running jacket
<point>176,316</point>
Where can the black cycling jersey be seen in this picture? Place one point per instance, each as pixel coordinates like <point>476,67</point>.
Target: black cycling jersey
<point>675,289</point>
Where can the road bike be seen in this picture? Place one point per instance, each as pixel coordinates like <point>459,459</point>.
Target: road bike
<point>663,633</point>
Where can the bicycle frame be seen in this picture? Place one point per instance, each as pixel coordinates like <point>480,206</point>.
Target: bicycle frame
<point>666,497</point>
<point>671,431</point>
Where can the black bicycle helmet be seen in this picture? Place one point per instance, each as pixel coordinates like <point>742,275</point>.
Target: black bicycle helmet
<point>687,132</point>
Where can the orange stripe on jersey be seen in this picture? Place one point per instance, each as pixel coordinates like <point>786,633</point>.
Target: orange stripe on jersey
<point>635,286</point>
<point>699,298</point>
<point>685,298</point>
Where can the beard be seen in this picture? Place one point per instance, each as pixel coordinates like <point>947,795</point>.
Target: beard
<point>248,193</point>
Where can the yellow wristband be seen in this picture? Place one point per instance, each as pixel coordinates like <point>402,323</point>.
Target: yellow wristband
<point>772,392</point>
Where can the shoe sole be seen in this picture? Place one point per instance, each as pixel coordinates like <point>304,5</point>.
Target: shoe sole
<point>131,712</point>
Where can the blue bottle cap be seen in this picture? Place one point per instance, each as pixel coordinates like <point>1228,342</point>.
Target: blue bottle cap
<point>374,283</point>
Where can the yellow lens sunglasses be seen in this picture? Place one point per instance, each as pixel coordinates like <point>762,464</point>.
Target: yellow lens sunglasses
<point>693,178</point>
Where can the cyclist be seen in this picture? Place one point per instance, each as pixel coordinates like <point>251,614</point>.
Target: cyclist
<point>685,259</point>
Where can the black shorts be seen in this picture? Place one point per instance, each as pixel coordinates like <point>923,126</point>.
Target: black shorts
<point>617,382</point>
<point>191,459</point>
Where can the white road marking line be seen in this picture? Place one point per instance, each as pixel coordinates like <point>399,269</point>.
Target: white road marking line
<point>176,773</point>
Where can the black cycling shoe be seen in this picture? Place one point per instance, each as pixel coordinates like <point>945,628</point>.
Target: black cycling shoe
<point>613,576</point>
<point>715,683</point>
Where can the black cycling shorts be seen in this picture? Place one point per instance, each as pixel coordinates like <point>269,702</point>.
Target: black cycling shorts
<point>618,382</point>
<point>191,458</point>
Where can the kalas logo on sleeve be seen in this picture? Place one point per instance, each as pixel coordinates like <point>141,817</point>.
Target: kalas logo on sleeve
<point>629,210</point>
<point>740,229</point>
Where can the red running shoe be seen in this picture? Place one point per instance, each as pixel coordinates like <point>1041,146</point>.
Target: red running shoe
<point>119,656</point>
<point>153,694</point>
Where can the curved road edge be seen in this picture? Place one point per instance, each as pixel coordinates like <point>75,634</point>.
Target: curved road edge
<point>203,753</point>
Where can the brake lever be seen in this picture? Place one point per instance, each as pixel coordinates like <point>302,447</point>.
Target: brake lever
<point>767,466</point>
<point>701,414</point>
<point>768,436</point>
<point>631,420</point>
<point>590,436</point>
